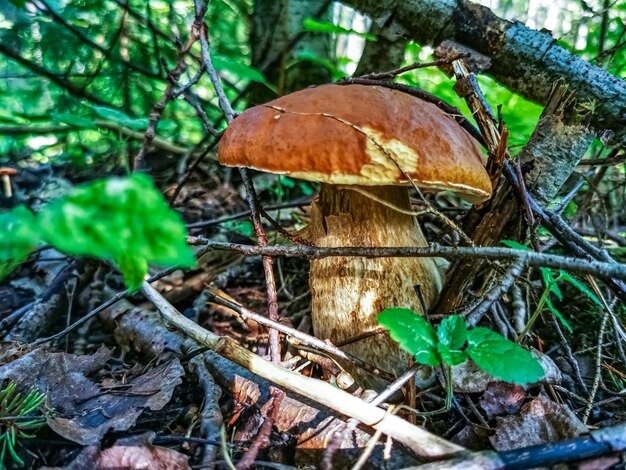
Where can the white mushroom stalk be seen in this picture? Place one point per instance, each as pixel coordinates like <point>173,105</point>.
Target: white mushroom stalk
<point>349,293</point>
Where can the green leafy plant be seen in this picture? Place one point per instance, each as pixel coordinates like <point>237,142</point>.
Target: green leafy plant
<point>551,283</point>
<point>125,220</point>
<point>452,343</point>
<point>20,415</point>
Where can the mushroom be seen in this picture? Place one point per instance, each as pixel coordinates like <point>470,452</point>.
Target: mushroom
<point>5,174</point>
<point>366,145</point>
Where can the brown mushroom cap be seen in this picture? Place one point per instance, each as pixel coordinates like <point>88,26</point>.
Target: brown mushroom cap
<point>356,134</point>
<point>8,171</point>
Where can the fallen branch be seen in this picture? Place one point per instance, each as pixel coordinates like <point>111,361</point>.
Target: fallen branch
<point>300,336</point>
<point>525,60</point>
<point>598,443</point>
<point>420,441</point>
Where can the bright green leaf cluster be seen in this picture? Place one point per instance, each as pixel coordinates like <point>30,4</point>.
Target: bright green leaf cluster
<point>311,24</point>
<point>122,219</point>
<point>452,343</point>
<point>19,238</point>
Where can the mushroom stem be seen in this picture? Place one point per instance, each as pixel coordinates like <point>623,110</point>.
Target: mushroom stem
<point>6,185</point>
<point>349,293</point>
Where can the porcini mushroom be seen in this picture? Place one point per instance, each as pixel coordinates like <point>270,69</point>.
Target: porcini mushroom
<point>366,145</point>
<point>5,175</point>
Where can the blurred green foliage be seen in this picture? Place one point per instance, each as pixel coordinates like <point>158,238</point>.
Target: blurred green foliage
<point>119,55</point>
<point>125,220</point>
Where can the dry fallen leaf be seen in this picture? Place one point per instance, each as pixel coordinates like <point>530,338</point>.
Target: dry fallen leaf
<point>538,422</point>
<point>502,398</point>
<point>84,410</point>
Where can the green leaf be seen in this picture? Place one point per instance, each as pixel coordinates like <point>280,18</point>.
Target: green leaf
<point>19,237</point>
<point>580,286</point>
<point>19,3</point>
<point>74,120</point>
<point>134,269</point>
<point>122,219</point>
<point>452,357</point>
<point>516,245</point>
<point>452,332</point>
<point>114,115</point>
<point>502,358</point>
<point>239,69</point>
<point>452,335</point>
<point>310,56</point>
<point>551,282</point>
<point>311,24</point>
<point>243,227</point>
<point>413,333</point>
<point>559,315</point>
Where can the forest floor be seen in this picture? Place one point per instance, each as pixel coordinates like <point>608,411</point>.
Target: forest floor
<point>122,390</point>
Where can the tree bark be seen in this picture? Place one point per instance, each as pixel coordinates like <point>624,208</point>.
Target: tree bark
<point>386,53</point>
<point>274,26</point>
<point>526,61</point>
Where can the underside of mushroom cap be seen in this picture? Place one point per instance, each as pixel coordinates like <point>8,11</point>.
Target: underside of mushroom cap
<point>356,134</point>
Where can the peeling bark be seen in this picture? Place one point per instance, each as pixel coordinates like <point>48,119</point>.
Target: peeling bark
<point>558,143</point>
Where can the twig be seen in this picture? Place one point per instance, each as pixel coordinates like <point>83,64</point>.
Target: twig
<point>453,112</point>
<point>612,159</point>
<point>598,443</point>
<point>211,416</point>
<point>168,95</point>
<point>262,438</point>
<point>270,282</point>
<point>182,181</point>
<point>414,66</point>
<point>243,214</point>
<point>309,340</point>
<point>418,440</point>
<point>351,424</point>
<point>494,294</point>
<point>598,372</point>
<point>530,258</point>
<point>116,298</point>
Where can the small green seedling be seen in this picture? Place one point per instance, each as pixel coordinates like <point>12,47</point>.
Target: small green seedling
<point>452,343</point>
<point>20,414</point>
<point>551,283</point>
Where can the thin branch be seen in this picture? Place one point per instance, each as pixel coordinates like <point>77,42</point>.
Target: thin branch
<point>270,282</point>
<point>600,442</point>
<point>309,340</point>
<point>529,258</point>
<point>494,294</point>
<point>414,66</point>
<point>105,50</point>
<point>157,111</point>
